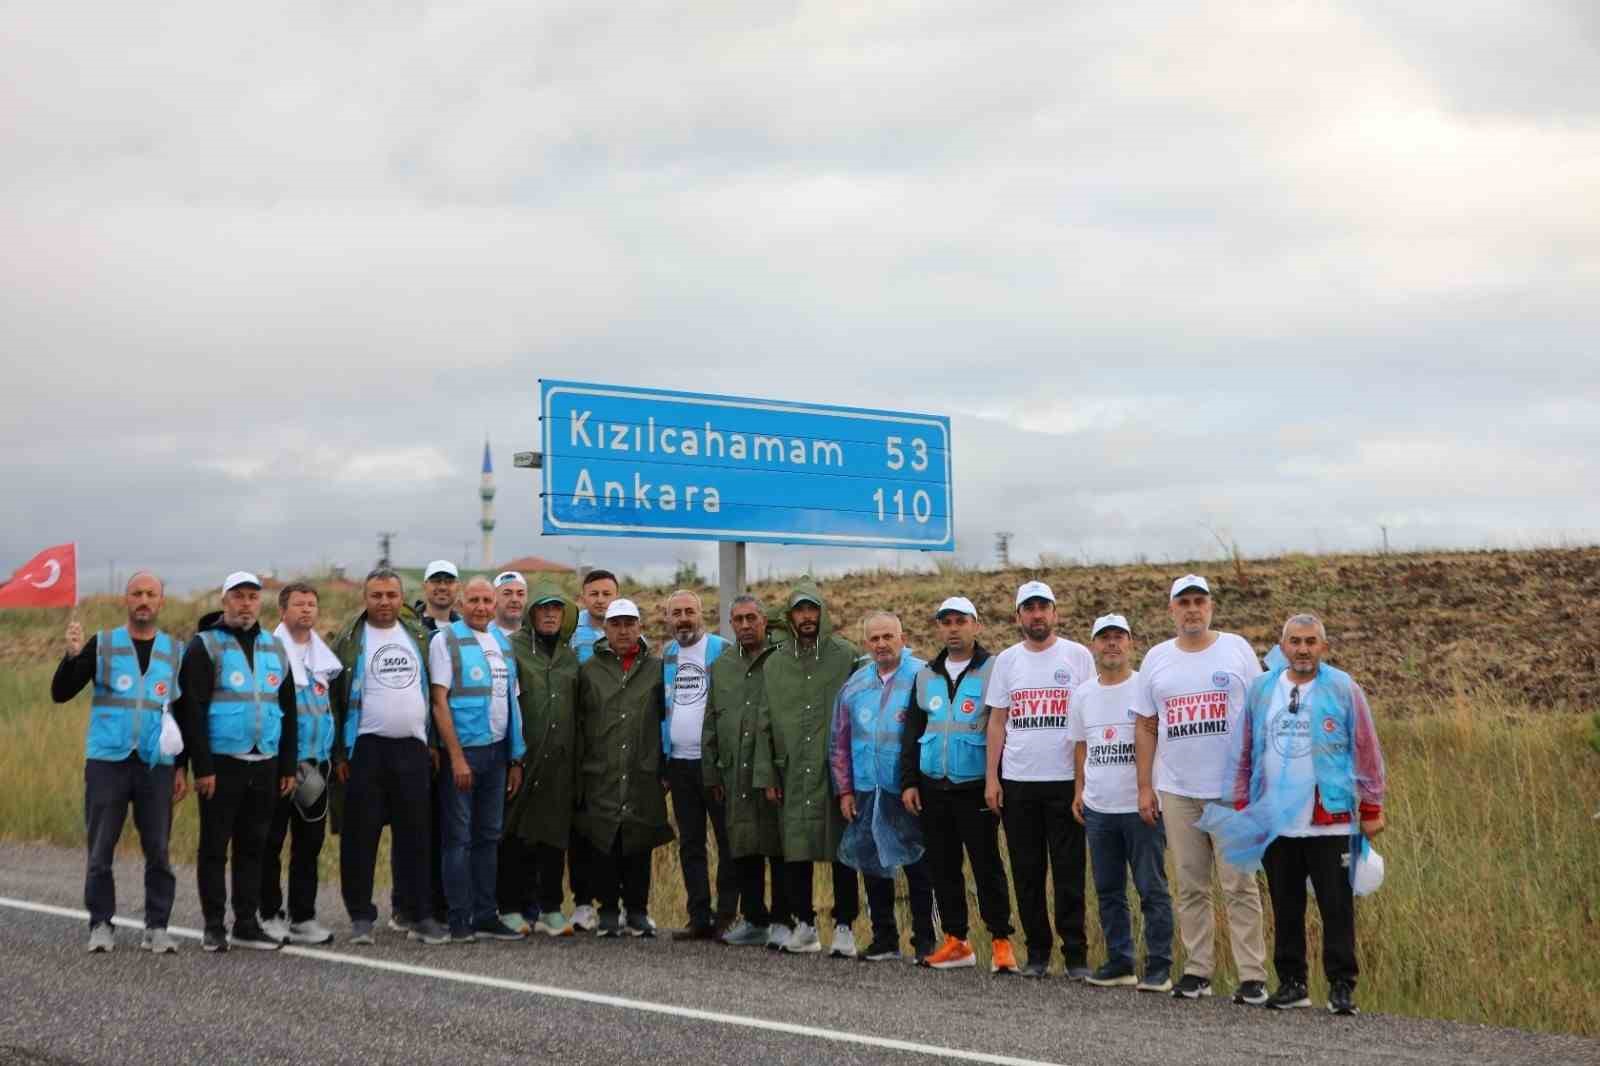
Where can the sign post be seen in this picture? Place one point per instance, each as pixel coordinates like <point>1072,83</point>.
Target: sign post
<point>731,581</point>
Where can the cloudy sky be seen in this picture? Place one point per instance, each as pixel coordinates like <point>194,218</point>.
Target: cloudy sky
<point>1281,274</point>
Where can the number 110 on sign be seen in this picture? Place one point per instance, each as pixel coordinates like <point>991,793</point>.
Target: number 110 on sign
<point>921,503</point>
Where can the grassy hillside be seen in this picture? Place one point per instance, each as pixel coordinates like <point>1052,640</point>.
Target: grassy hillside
<point>1476,663</point>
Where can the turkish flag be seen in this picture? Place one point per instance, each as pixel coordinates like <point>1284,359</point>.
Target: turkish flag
<point>49,579</point>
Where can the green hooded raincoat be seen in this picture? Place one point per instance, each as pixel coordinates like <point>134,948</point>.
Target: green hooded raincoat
<point>541,812</point>
<point>619,752</point>
<point>728,750</point>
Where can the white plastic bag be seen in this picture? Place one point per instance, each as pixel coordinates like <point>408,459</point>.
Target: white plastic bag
<point>171,736</point>
<point>1369,870</point>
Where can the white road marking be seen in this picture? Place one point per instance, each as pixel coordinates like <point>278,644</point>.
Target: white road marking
<point>550,991</point>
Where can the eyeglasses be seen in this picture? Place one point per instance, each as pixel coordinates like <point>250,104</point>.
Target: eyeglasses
<point>1294,700</point>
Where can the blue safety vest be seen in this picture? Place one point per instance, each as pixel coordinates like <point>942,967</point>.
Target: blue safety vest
<point>584,637</point>
<point>244,714</point>
<point>314,718</point>
<point>472,688</point>
<point>669,681</point>
<point>125,710</point>
<point>877,723</point>
<point>955,744</point>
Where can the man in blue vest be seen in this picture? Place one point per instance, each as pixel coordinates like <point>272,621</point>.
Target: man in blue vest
<point>300,819</point>
<point>237,698</point>
<point>474,683</point>
<point>942,763</point>
<point>868,724</point>
<point>598,589</point>
<point>134,669</point>
<point>686,666</point>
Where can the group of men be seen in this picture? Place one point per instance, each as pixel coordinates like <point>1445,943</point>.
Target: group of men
<point>528,736</point>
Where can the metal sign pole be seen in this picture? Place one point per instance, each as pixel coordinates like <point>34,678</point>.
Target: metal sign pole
<point>730,580</point>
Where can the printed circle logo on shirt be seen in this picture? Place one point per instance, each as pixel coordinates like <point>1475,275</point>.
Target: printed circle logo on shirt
<point>689,686</point>
<point>124,682</point>
<point>1220,679</point>
<point>1290,735</point>
<point>236,679</point>
<point>393,666</point>
<point>1063,676</point>
<point>1110,732</point>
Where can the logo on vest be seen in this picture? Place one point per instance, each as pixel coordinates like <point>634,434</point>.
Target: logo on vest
<point>476,673</point>
<point>124,682</point>
<point>1220,679</point>
<point>272,679</point>
<point>937,702</point>
<point>161,690</point>
<point>865,716</point>
<point>1328,726</point>
<point>1063,676</point>
<point>968,705</point>
<point>236,679</point>
<point>320,689</point>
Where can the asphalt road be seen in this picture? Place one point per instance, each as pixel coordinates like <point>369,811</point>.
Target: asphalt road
<point>583,1001</point>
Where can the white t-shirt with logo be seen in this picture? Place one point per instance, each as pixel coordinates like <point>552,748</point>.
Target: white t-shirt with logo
<point>1102,718</point>
<point>689,700</point>
<point>392,703</point>
<point>442,672</point>
<point>1286,757</point>
<point>1196,698</point>
<point>1034,689</point>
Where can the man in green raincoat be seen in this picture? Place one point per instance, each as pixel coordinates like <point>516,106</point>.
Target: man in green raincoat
<point>622,803</point>
<point>803,676</point>
<point>539,817</point>
<point>727,751</point>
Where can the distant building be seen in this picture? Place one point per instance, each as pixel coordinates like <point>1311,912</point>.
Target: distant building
<point>486,490</point>
<point>532,564</point>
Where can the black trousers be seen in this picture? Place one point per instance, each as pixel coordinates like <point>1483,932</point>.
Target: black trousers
<point>109,789</point>
<point>880,907</point>
<point>752,873</point>
<point>1289,861</point>
<point>529,879</point>
<point>390,781</point>
<point>1043,838</point>
<point>691,806</point>
<point>618,877</point>
<point>846,894</point>
<point>580,871</point>
<point>235,819</point>
<point>305,849</point>
<point>440,908</point>
<point>956,819</point>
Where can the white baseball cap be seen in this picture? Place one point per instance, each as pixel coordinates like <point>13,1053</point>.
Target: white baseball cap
<point>959,604</point>
<point>509,577</point>
<point>1110,621</point>
<point>1187,582</point>
<point>1034,590</point>
<point>240,577</point>
<point>621,609</point>
<point>440,566</point>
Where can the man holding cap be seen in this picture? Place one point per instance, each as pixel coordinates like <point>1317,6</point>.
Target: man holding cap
<point>437,606</point>
<point>622,805</point>
<point>1106,802</point>
<point>942,764</point>
<point>238,700</point>
<point>1189,695</point>
<point>510,599</point>
<point>1029,779</point>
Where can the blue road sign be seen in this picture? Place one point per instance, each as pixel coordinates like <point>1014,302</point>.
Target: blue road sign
<point>631,462</point>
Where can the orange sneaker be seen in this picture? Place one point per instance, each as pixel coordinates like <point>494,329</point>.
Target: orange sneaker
<point>1005,960</point>
<point>953,954</point>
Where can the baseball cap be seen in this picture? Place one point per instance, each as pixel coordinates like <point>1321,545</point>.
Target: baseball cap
<point>440,566</point>
<point>1110,621</point>
<point>509,577</point>
<point>552,597</point>
<point>1187,582</point>
<point>1034,590</point>
<point>959,604</point>
<point>621,609</point>
<point>238,578</point>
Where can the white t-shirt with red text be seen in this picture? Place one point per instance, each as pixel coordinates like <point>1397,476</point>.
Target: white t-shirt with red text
<point>1034,690</point>
<point>1102,718</point>
<point>1196,698</point>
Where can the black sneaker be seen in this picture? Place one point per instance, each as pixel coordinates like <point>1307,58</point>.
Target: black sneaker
<point>214,939</point>
<point>1191,986</point>
<point>696,931</point>
<point>1113,975</point>
<point>1251,993</point>
<point>610,924</point>
<point>1156,980</point>
<point>255,937</point>
<point>882,951</point>
<point>461,933</point>
<point>1342,998</point>
<point>1289,996</point>
<point>1037,970</point>
<point>638,924</point>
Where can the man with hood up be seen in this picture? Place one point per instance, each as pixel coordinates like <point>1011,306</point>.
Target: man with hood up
<point>622,803</point>
<point>539,817</point>
<point>803,676</point>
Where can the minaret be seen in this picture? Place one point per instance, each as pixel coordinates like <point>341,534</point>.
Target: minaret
<point>486,490</point>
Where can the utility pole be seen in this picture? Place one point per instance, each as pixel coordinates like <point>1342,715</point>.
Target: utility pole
<point>385,544</point>
<point>1002,549</point>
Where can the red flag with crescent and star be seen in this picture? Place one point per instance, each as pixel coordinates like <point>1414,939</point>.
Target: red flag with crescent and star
<point>49,579</point>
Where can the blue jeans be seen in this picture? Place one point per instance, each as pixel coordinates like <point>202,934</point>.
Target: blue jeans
<point>470,824</point>
<point>1117,842</point>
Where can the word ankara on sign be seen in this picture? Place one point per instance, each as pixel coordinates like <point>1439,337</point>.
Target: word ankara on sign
<point>633,462</point>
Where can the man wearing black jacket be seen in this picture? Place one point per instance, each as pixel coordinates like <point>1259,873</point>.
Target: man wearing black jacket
<point>942,776</point>
<point>237,700</point>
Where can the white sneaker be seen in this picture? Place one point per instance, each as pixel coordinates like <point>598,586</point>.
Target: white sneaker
<point>584,919</point>
<point>276,928</point>
<point>844,943</point>
<point>777,935</point>
<point>100,938</point>
<point>158,942</point>
<point>803,941</point>
<point>308,932</point>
